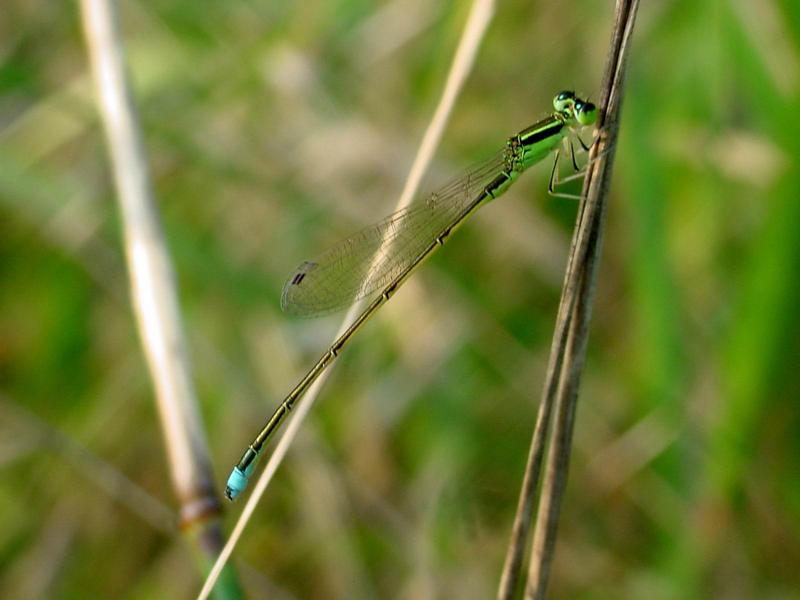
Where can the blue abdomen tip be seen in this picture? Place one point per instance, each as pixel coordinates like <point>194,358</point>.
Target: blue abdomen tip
<point>237,482</point>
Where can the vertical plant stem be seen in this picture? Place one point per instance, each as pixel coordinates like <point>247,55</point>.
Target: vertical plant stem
<point>590,229</point>
<point>568,350</point>
<point>153,287</point>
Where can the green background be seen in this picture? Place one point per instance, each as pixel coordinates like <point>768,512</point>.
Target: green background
<point>274,129</point>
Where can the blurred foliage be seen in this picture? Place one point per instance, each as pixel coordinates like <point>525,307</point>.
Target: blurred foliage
<point>275,128</point>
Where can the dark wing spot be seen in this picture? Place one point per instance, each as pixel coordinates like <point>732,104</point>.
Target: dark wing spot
<point>301,272</point>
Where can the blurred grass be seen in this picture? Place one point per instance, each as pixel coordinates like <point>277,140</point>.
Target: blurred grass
<point>273,131</point>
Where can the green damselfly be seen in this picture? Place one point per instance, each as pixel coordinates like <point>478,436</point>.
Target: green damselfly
<point>376,261</point>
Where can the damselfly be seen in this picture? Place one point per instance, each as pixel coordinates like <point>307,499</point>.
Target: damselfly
<point>376,261</point>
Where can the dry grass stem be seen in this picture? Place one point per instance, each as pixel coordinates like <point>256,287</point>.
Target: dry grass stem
<point>474,30</point>
<point>568,349</point>
<point>152,281</point>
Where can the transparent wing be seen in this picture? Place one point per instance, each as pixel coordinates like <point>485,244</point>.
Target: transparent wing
<point>363,264</point>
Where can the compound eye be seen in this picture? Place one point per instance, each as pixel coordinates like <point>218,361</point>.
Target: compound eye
<point>585,113</point>
<point>563,100</point>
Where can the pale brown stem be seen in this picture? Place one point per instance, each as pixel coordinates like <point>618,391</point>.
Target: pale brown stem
<point>568,350</point>
<point>152,281</point>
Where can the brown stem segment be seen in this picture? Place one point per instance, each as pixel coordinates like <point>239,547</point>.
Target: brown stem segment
<point>568,349</point>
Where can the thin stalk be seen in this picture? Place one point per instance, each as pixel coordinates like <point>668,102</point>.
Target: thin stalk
<point>473,33</point>
<point>153,289</point>
<point>568,350</point>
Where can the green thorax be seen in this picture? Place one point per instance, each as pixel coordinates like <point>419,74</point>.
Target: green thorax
<point>537,141</point>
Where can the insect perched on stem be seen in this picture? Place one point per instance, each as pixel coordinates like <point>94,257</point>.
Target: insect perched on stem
<point>376,261</point>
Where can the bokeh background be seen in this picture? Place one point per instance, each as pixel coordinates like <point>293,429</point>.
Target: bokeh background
<point>273,129</point>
